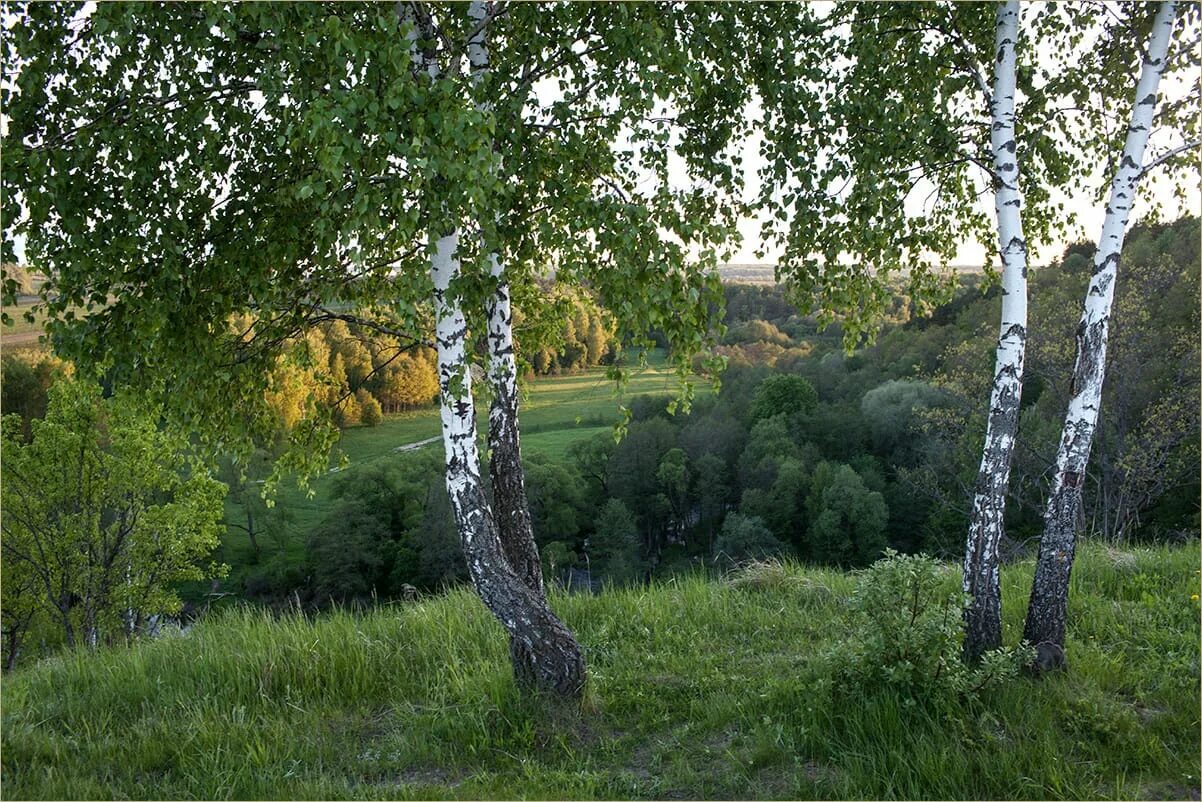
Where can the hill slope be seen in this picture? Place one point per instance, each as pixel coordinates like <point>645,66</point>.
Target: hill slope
<point>699,689</point>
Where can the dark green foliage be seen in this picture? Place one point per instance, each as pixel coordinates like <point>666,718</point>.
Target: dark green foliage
<point>591,459</point>
<point>557,557</point>
<point>559,507</point>
<point>716,433</point>
<point>631,475</point>
<point>390,526</point>
<point>768,445</point>
<point>783,394</point>
<point>614,546</point>
<point>744,538</point>
<point>847,520</point>
<point>712,491</point>
<point>350,553</point>
<point>889,410</point>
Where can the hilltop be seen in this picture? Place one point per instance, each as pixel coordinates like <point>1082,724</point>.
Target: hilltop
<point>700,688</point>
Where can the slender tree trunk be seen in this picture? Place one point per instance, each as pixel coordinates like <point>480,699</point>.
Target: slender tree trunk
<point>505,455</point>
<point>546,656</point>
<point>1049,595</point>
<point>552,660</point>
<point>510,505</point>
<point>64,613</point>
<point>983,618</point>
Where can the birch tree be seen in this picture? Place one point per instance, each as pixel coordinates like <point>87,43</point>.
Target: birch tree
<point>894,184</point>
<point>1046,615</point>
<point>983,615</point>
<point>172,167</point>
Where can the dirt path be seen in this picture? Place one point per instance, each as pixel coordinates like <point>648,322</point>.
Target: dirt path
<point>24,338</point>
<point>417,445</point>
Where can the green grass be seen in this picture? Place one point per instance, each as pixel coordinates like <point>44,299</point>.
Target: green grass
<point>556,412</point>
<point>698,689</point>
<point>20,325</point>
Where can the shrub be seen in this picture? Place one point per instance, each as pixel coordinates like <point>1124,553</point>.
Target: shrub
<point>906,634</point>
<point>745,538</point>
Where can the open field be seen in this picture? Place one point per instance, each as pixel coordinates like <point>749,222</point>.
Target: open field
<point>557,411</point>
<point>22,331</point>
<point>699,689</point>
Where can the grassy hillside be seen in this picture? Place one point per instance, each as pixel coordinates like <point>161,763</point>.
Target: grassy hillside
<point>699,689</point>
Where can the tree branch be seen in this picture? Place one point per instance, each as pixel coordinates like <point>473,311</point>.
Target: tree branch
<point>1167,155</point>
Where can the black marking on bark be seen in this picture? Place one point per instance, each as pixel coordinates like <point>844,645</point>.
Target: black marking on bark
<point>1150,100</point>
<point>1112,257</point>
<point>1126,162</point>
<point>1016,202</point>
<point>1020,332</point>
<point>1016,244</point>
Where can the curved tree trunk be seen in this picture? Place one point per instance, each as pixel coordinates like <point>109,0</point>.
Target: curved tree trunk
<point>1048,609</point>
<point>983,618</point>
<point>510,505</point>
<point>546,656</point>
<point>551,658</point>
<point>505,464</point>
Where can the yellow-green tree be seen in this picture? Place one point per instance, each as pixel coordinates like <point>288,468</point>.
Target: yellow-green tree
<point>102,516</point>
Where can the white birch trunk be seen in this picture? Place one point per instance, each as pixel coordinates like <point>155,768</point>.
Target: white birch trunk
<point>551,659</point>
<point>545,654</point>
<point>1046,616</point>
<point>510,503</point>
<point>983,626</point>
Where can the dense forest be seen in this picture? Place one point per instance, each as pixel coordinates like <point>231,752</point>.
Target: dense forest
<point>810,452</point>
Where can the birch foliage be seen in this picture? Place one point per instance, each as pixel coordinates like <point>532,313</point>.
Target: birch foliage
<point>890,170</point>
<point>172,166</point>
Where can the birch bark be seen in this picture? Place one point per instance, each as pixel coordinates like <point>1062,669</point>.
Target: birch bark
<point>1047,613</point>
<point>983,625</point>
<point>510,504</point>
<point>545,655</point>
<point>550,657</point>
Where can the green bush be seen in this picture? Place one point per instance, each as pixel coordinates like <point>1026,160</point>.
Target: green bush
<point>906,634</point>
<point>745,538</point>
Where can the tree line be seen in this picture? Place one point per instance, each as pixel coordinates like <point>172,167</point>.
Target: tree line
<point>817,455</point>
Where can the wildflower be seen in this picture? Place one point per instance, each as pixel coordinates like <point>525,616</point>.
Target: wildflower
<point>1194,597</point>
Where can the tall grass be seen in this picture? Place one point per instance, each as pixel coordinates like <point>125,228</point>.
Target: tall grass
<point>699,688</point>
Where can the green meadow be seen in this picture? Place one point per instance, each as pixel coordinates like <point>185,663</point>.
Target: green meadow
<point>700,688</point>
<point>556,412</point>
